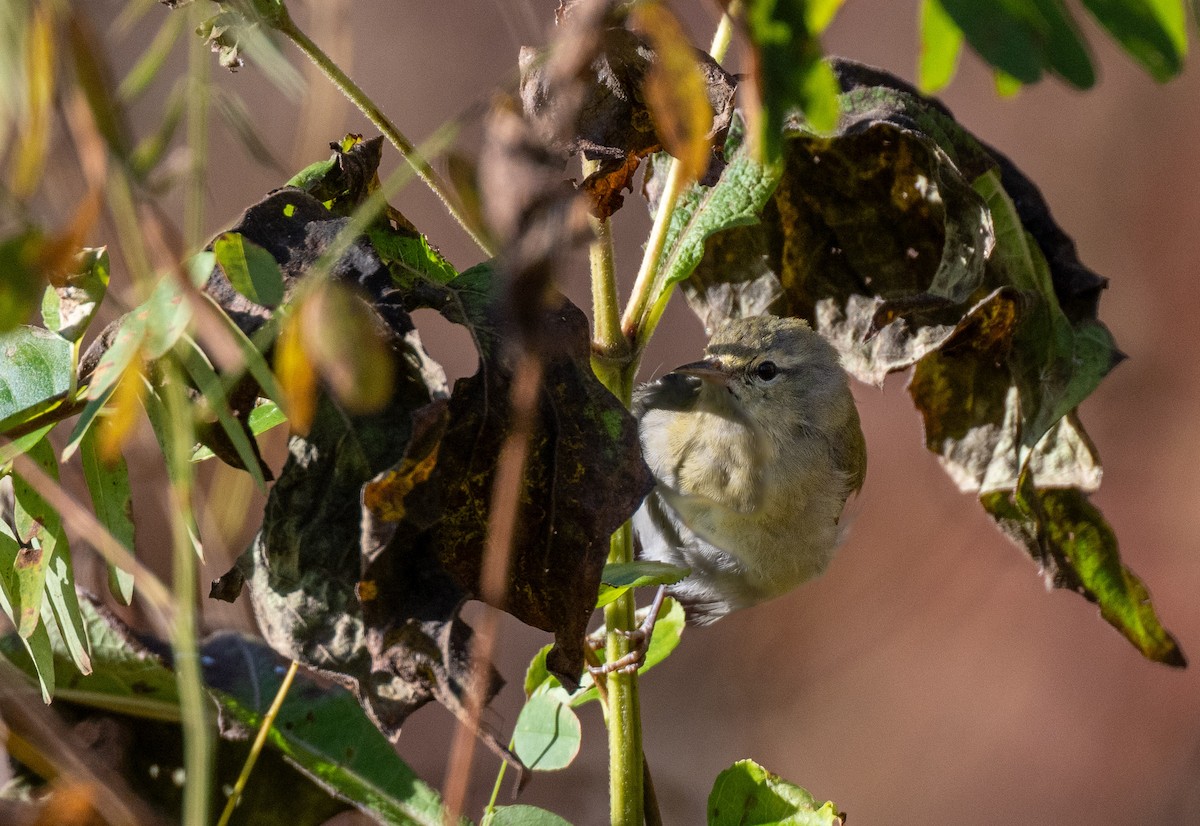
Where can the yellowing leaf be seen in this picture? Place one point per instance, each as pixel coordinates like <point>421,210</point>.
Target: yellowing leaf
<point>114,429</point>
<point>676,92</point>
<point>343,340</point>
<point>297,378</point>
<point>33,138</point>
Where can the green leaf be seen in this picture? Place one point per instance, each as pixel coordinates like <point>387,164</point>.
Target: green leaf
<point>547,734</point>
<point>37,644</point>
<point>737,199</point>
<point>70,302</point>
<point>617,578</point>
<point>791,72</point>
<point>1069,535</point>
<point>323,731</point>
<point>35,373</point>
<point>941,45</point>
<point>108,486</point>
<point>1024,37</point>
<point>265,416</point>
<point>746,794</point>
<point>1154,32</point>
<point>522,815</point>
<point>251,269</point>
<point>167,314</point>
<point>47,563</point>
<point>21,279</point>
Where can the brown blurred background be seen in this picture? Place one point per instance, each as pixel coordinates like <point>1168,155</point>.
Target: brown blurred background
<point>928,677</point>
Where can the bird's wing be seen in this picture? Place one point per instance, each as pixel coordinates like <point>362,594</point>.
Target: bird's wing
<point>674,391</point>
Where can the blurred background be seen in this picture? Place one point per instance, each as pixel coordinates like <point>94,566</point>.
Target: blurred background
<point>928,677</point>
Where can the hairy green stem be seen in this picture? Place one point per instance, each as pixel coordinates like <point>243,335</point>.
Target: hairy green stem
<point>649,297</point>
<point>286,26</point>
<point>625,783</point>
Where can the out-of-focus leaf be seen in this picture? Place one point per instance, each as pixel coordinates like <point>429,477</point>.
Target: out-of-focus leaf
<point>96,83</point>
<point>1154,32</point>
<point>297,377</point>
<point>35,373</point>
<point>746,793</point>
<point>153,58</point>
<point>788,68</point>
<point>251,270</point>
<point>241,123</point>
<point>617,578</point>
<point>108,486</point>
<point>1024,37</point>
<point>167,314</point>
<point>36,644</point>
<point>547,734</point>
<point>121,412</point>
<point>675,91</point>
<point>33,139</point>
<point>522,815</point>
<point>1078,550</point>
<point>346,347</point>
<point>941,45</point>
<point>21,279</point>
<point>71,301</point>
<point>19,445</point>
<point>150,150</point>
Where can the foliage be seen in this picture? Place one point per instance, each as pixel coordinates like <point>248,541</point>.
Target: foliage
<point>840,194</point>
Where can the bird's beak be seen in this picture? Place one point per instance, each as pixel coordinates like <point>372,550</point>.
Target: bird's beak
<point>709,369</point>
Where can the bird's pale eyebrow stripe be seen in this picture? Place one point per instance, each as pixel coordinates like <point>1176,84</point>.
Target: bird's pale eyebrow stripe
<point>738,350</point>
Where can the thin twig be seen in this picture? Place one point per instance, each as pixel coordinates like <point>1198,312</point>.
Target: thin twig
<point>404,146</point>
<point>259,741</point>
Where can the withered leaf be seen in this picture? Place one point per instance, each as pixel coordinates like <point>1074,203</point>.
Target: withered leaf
<point>593,101</point>
<point>584,477</point>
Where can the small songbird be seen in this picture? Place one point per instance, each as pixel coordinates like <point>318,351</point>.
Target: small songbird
<point>755,450</point>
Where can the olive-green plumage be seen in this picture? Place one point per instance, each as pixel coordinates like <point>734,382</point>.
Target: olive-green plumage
<point>755,449</point>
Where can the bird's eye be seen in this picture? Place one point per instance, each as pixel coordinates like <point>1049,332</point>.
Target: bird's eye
<point>766,370</point>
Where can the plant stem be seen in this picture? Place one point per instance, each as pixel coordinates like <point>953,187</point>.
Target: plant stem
<point>610,349</point>
<point>649,296</point>
<point>625,782</point>
<point>193,701</point>
<point>197,140</point>
<point>286,26</point>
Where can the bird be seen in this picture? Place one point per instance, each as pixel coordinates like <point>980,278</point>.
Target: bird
<point>755,450</point>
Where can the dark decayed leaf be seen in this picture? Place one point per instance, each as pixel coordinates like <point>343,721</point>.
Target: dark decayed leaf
<point>747,793</point>
<point>586,94</point>
<point>907,242</point>
<point>583,479</point>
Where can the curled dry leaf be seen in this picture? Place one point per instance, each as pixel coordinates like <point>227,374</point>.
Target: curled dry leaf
<point>588,94</point>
